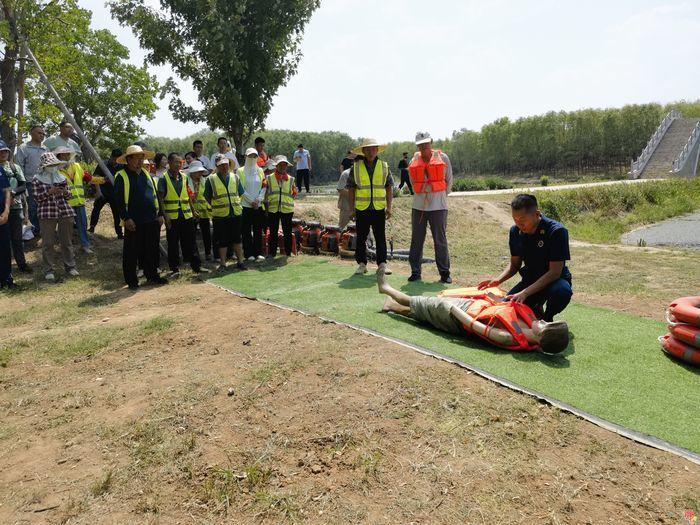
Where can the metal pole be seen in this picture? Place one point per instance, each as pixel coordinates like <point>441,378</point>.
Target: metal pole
<point>67,114</point>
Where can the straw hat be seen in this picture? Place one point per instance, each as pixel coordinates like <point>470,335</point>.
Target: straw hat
<point>367,143</point>
<point>134,149</point>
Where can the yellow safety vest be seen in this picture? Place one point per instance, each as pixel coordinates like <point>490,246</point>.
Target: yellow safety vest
<point>172,202</point>
<point>201,205</point>
<point>74,177</point>
<point>370,191</point>
<point>280,198</point>
<point>125,178</point>
<point>223,197</point>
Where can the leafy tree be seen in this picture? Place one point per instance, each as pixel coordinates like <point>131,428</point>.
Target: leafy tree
<point>235,54</point>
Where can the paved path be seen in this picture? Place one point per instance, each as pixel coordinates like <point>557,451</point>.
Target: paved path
<point>681,232</point>
<point>549,188</point>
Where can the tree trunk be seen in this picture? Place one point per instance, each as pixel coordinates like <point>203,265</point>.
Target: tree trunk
<point>8,92</point>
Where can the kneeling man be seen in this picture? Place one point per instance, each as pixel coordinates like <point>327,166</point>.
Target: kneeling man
<point>502,323</point>
<point>539,249</point>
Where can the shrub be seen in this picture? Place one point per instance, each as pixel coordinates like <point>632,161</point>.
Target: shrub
<point>544,181</point>
<point>480,184</point>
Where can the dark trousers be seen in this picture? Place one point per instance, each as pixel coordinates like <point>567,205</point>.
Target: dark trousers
<point>437,220</point>
<point>141,247</point>
<point>5,255</point>
<point>181,236</point>
<point>253,225</point>
<point>274,223</point>
<point>406,180</point>
<point>205,230</point>
<point>33,209</point>
<point>303,179</point>
<point>376,219</point>
<point>556,297</point>
<point>100,203</point>
<point>15,223</point>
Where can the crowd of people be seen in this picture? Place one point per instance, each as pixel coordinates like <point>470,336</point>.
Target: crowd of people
<point>229,201</point>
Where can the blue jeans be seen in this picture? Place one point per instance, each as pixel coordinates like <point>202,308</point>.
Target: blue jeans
<point>32,206</point>
<point>81,225</point>
<point>556,296</point>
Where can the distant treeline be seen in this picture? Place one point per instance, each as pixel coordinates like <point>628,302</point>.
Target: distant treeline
<point>588,140</point>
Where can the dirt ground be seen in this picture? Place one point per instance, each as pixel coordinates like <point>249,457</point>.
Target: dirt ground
<point>186,404</point>
<point>229,411</point>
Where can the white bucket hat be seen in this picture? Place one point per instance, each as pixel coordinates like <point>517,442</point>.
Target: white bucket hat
<point>423,137</point>
<point>195,166</point>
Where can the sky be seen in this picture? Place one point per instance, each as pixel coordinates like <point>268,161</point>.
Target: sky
<point>388,68</point>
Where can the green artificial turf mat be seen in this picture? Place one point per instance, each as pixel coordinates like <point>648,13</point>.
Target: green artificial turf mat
<point>613,367</point>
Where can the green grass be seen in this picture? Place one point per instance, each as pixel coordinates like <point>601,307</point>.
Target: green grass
<point>603,214</point>
<point>613,367</point>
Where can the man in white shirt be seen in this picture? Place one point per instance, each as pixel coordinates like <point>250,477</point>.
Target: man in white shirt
<point>225,149</point>
<point>197,148</point>
<point>302,158</point>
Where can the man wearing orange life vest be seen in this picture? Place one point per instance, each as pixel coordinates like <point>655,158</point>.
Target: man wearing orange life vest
<point>430,172</point>
<point>506,324</point>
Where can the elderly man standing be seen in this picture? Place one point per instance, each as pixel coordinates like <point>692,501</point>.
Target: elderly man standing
<point>370,197</point>
<point>18,212</point>
<point>64,138</point>
<point>177,205</point>
<point>139,211</point>
<point>252,177</point>
<point>29,159</point>
<point>431,176</point>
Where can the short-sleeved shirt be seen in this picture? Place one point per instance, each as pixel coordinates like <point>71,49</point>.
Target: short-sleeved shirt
<point>205,161</point>
<point>550,242</point>
<point>54,142</point>
<point>177,184</point>
<point>302,159</point>
<point>16,177</point>
<point>346,163</point>
<point>4,185</point>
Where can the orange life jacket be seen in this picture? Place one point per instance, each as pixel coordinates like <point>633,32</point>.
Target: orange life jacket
<point>488,310</point>
<point>433,173</point>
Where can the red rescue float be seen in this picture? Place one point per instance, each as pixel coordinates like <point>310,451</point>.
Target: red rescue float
<point>680,350</point>
<point>686,310</point>
<point>685,333</point>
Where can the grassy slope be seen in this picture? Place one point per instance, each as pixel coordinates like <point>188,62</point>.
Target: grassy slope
<point>613,368</point>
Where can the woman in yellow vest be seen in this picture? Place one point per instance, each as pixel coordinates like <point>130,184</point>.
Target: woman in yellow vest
<point>223,191</point>
<point>177,205</point>
<point>279,203</point>
<point>196,173</point>
<point>76,178</point>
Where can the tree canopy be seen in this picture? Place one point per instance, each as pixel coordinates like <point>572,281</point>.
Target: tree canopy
<point>235,54</point>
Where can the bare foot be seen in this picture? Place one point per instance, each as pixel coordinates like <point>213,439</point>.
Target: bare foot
<point>388,305</point>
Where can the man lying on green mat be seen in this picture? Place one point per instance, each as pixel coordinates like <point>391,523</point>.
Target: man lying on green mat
<point>506,324</point>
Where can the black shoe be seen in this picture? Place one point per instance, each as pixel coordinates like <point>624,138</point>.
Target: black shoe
<point>158,280</point>
<point>25,269</point>
<point>241,266</point>
<point>414,277</point>
<point>91,229</point>
<point>446,279</point>
<point>134,286</point>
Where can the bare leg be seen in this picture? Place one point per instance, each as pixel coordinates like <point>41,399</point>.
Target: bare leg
<point>400,297</point>
<point>392,306</point>
<point>222,256</point>
<point>238,248</point>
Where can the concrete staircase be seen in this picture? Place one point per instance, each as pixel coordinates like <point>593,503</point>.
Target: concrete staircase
<point>671,145</point>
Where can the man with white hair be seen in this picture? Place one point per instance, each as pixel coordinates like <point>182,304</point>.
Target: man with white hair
<point>430,172</point>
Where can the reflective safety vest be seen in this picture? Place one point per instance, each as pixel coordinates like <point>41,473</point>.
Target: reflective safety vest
<point>125,178</point>
<point>510,316</point>
<point>430,177</point>
<point>74,177</point>
<point>370,190</point>
<point>201,206</point>
<point>280,198</point>
<point>222,197</point>
<point>172,202</point>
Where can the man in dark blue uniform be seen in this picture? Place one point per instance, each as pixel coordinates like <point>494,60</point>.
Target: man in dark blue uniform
<point>539,249</point>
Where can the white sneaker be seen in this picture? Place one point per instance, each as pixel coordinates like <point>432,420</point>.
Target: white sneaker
<point>260,258</point>
<point>361,269</point>
<point>50,277</point>
<point>87,250</point>
<point>73,272</point>
<point>251,259</point>
<point>140,273</point>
